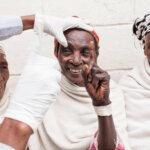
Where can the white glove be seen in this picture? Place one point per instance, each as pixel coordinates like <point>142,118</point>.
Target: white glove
<point>37,87</point>
<point>55,26</point>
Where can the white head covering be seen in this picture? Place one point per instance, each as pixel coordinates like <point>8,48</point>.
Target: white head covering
<point>2,49</point>
<point>141,27</point>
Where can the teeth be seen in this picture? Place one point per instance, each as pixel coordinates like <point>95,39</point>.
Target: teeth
<point>75,70</point>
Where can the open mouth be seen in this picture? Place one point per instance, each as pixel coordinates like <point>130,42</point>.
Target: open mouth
<point>75,70</point>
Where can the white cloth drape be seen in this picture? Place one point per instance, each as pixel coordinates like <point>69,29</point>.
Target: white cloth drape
<point>4,102</point>
<point>71,121</point>
<point>136,87</point>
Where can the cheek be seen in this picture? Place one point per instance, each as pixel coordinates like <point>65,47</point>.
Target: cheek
<point>4,75</point>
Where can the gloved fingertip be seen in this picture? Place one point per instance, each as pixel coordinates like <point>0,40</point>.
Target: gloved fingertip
<point>64,43</point>
<point>61,39</point>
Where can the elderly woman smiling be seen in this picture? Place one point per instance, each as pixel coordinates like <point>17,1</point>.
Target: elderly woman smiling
<point>87,113</point>
<point>71,121</point>
<point>136,87</point>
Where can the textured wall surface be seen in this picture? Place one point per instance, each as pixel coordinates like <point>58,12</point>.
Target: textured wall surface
<point>113,19</point>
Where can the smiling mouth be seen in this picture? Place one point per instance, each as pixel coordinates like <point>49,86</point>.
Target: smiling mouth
<point>75,70</point>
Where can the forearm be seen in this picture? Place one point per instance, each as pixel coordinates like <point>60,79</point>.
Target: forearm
<point>14,25</point>
<point>14,133</point>
<point>28,22</point>
<point>107,134</point>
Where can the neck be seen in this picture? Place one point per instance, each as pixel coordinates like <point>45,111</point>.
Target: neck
<point>81,84</point>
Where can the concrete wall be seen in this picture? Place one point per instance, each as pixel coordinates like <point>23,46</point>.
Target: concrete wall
<point>113,19</point>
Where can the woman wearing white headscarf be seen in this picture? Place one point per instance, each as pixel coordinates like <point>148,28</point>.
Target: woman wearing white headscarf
<point>136,88</point>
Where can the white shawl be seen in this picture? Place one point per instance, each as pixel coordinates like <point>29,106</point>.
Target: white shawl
<point>136,86</point>
<point>71,122</point>
<point>4,102</point>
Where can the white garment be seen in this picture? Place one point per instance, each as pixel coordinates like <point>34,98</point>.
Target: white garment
<point>5,147</point>
<point>37,87</point>
<point>71,121</point>
<point>4,102</point>
<point>9,26</point>
<point>136,86</point>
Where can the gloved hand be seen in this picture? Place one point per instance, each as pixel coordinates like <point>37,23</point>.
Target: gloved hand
<point>37,87</point>
<point>55,26</point>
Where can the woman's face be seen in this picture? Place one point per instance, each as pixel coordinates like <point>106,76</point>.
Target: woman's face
<point>4,74</point>
<point>147,47</point>
<point>80,51</point>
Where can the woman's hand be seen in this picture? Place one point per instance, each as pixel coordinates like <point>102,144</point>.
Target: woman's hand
<point>97,84</point>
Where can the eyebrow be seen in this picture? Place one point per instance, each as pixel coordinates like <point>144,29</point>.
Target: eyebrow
<point>86,46</point>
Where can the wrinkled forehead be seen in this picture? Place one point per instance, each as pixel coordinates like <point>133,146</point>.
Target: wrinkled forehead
<point>78,35</point>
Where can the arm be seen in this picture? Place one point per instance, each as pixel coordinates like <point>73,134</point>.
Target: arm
<point>107,135</point>
<point>14,25</point>
<point>28,22</point>
<point>97,85</point>
<point>18,134</point>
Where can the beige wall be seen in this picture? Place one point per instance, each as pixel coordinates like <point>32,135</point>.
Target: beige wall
<point>113,19</point>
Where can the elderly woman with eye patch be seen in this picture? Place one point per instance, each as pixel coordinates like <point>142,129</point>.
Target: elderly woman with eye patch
<point>88,112</point>
<point>136,88</point>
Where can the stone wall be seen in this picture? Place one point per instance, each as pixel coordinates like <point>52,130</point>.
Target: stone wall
<point>113,19</point>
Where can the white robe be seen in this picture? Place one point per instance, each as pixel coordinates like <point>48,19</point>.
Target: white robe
<point>4,102</point>
<point>71,122</point>
<point>136,87</point>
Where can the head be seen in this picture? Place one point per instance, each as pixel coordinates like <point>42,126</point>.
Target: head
<point>4,73</point>
<point>82,49</point>
<point>141,29</point>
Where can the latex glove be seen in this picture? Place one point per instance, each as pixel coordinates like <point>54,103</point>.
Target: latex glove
<point>37,87</point>
<point>56,26</point>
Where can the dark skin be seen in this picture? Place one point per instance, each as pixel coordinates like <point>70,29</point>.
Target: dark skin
<point>79,64</point>
<point>4,74</point>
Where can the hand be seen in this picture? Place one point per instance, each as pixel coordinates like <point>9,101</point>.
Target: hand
<point>96,81</point>
<point>37,87</point>
<point>97,84</point>
<point>56,26</point>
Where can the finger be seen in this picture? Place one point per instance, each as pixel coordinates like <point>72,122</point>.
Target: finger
<point>84,26</point>
<point>102,76</point>
<point>85,72</point>
<point>95,82</point>
<point>90,68</point>
<point>61,38</point>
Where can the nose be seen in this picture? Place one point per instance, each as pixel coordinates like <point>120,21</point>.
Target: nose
<point>76,60</point>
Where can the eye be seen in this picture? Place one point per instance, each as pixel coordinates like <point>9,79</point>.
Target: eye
<point>3,67</point>
<point>66,51</point>
<point>85,52</point>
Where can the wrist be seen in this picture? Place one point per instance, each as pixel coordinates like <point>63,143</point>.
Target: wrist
<point>28,22</point>
<point>104,102</point>
<point>103,110</point>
